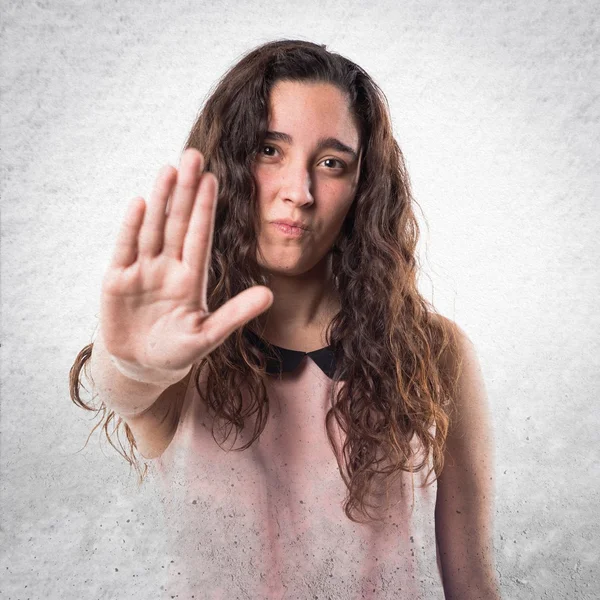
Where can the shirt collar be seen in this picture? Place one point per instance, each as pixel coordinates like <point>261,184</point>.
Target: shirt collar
<point>324,358</point>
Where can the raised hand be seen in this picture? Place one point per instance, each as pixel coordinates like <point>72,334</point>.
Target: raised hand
<point>154,319</point>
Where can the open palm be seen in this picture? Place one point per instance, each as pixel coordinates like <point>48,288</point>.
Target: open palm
<point>154,313</point>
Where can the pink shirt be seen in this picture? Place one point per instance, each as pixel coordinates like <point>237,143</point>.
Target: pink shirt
<point>267,522</point>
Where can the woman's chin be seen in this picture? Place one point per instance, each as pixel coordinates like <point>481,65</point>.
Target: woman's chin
<point>284,270</point>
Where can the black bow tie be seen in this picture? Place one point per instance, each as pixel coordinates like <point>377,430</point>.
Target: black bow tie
<point>290,359</point>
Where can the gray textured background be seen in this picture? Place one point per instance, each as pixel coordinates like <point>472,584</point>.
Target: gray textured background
<point>495,105</point>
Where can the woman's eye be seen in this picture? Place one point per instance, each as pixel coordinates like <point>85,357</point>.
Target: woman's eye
<point>267,147</point>
<point>340,164</point>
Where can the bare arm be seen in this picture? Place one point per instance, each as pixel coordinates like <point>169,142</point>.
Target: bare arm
<point>465,496</point>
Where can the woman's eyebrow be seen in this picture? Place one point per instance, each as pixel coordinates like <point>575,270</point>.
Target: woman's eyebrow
<point>327,142</point>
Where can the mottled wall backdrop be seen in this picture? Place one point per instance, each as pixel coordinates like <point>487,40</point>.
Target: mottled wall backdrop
<point>495,104</point>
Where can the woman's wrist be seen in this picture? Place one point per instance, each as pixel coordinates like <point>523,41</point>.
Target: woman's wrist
<point>149,376</point>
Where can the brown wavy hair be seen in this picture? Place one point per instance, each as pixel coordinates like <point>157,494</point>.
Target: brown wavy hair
<point>391,346</point>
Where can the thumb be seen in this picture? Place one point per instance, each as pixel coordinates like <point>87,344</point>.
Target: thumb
<point>235,313</point>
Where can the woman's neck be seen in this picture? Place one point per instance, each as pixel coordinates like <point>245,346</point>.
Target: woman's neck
<point>301,311</point>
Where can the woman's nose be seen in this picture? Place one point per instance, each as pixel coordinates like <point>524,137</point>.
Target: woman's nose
<point>296,185</point>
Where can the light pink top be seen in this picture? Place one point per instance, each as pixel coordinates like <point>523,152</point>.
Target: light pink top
<point>267,522</point>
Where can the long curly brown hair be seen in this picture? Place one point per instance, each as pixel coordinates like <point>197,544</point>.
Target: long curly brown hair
<point>391,346</point>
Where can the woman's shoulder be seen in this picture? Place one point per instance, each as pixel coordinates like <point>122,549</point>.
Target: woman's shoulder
<point>442,322</point>
<point>457,344</point>
<point>445,325</point>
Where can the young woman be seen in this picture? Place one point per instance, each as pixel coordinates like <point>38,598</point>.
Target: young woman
<point>271,284</point>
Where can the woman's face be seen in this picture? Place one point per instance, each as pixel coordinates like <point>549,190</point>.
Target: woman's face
<point>306,170</point>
